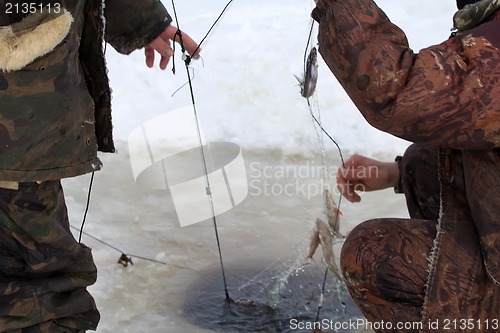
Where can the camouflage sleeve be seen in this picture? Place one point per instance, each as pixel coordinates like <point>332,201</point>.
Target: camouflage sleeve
<point>444,96</point>
<point>132,24</point>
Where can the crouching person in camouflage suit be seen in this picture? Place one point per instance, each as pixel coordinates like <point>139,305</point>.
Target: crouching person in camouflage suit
<point>55,115</point>
<point>440,269</point>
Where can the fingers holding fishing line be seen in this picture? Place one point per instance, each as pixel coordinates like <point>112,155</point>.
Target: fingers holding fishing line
<point>185,40</point>
<point>349,188</point>
<point>163,46</point>
<point>363,174</point>
<point>357,176</point>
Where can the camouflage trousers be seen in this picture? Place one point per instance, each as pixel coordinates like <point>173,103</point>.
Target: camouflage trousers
<point>385,261</point>
<point>44,271</point>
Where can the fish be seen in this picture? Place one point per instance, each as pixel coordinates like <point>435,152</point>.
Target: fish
<point>314,242</point>
<point>333,214</point>
<point>308,81</point>
<point>321,235</point>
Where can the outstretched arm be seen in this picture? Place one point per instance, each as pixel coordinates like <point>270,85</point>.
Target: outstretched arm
<point>443,96</point>
<point>136,24</point>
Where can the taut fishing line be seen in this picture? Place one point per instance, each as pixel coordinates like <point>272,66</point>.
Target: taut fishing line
<point>309,38</point>
<point>125,254</point>
<point>318,123</point>
<point>86,207</point>
<point>125,258</point>
<point>187,61</point>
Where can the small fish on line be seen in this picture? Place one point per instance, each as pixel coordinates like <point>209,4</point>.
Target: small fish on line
<point>310,77</point>
<point>322,236</point>
<point>333,214</point>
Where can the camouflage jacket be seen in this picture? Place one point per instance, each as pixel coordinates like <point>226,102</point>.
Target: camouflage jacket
<point>446,96</point>
<point>55,99</point>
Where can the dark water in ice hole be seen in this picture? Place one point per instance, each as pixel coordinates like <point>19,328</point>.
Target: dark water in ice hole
<point>264,301</point>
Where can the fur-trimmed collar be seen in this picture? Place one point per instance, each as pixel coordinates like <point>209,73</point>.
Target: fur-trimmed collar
<point>32,37</point>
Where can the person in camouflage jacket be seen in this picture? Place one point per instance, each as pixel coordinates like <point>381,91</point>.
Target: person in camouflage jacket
<point>55,114</point>
<point>440,269</point>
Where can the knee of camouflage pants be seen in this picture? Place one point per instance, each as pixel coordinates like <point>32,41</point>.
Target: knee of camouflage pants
<point>44,271</point>
<point>384,263</point>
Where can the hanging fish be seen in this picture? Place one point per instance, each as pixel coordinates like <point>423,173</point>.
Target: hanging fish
<point>310,78</point>
<point>322,236</point>
<point>333,214</point>
<point>314,242</point>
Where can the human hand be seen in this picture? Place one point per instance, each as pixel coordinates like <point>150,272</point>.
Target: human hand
<point>162,45</point>
<point>363,174</point>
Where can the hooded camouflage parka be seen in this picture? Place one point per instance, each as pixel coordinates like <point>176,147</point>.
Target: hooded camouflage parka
<point>55,100</point>
<point>446,97</point>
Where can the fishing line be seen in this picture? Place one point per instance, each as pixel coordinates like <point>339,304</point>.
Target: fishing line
<point>187,60</point>
<point>328,135</point>
<point>322,296</point>
<point>124,253</point>
<point>86,207</point>
<point>213,25</point>
<point>185,84</point>
<point>306,51</point>
<point>307,46</point>
<point>81,232</point>
<point>323,286</point>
